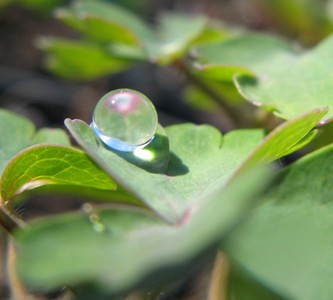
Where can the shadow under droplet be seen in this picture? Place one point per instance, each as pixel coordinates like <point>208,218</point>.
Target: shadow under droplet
<point>176,166</point>
<point>152,158</point>
<point>156,158</point>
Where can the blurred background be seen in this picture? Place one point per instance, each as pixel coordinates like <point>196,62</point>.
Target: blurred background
<point>29,88</point>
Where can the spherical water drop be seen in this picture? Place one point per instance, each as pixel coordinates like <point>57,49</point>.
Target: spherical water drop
<point>125,120</point>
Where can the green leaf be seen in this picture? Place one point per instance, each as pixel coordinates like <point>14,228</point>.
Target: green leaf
<point>297,87</point>
<point>174,35</point>
<point>106,22</point>
<point>52,165</point>
<point>285,139</point>
<point>80,60</point>
<point>324,137</point>
<point>243,286</point>
<point>198,99</point>
<point>126,52</point>
<point>306,20</point>
<point>286,241</point>
<point>44,7</point>
<point>17,133</point>
<point>121,249</point>
<point>51,136</point>
<point>17,138</point>
<point>199,159</point>
<point>250,54</point>
<point>214,31</point>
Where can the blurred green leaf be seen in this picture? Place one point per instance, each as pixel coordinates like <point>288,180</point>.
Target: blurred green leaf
<point>305,19</point>
<point>80,60</point>
<point>297,87</point>
<point>52,165</point>
<point>51,136</point>
<point>17,138</point>
<point>286,243</point>
<point>106,22</point>
<point>126,52</point>
<point>198,99</point>
<point>42,6</point>
<point>214,31</point>
<point>174,35</point>
<point>18,133</point>
<point>122,249</point>
<point>109,23</point>
<point>250,54</point>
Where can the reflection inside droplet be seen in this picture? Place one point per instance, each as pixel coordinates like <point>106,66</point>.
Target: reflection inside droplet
<point>125,120</point>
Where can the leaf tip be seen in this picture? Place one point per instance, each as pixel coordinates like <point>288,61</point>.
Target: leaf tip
<point>324,110</point>
<point>69,122</point>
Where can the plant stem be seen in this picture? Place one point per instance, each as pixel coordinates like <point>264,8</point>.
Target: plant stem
<point>16,287</point>
<point>215,96</point>
<point>8,219</point>
<point>219,279</point>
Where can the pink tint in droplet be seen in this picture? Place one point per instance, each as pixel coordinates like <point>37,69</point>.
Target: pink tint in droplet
<point>123,102</point>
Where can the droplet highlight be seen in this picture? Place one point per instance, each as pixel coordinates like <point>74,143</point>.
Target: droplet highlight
<point>125,120</point>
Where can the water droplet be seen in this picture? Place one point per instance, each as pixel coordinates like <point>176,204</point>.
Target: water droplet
<point>93,217</point>
<point>125,120</point>
<point>97,224</point>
